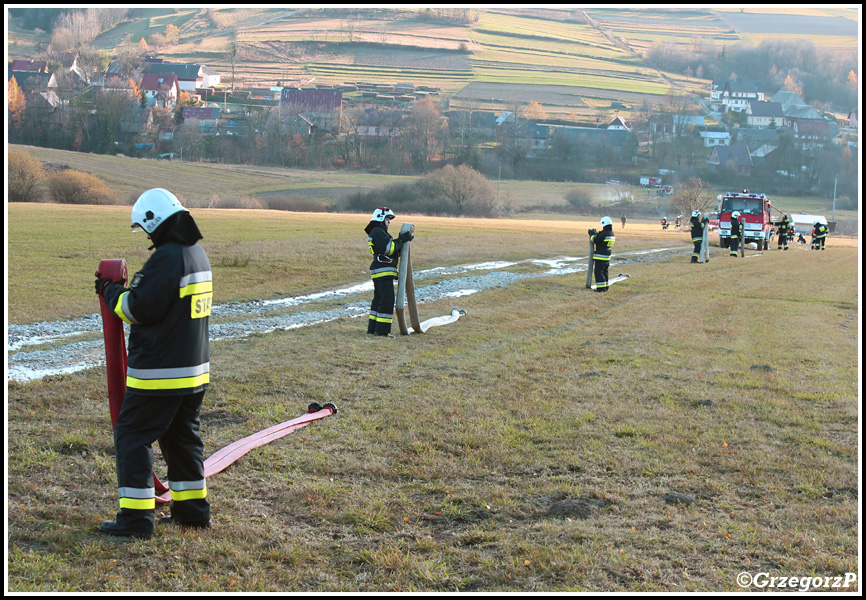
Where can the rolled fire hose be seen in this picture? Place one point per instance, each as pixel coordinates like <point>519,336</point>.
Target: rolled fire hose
<point>406,295</point>
<point>115,361</point>
<point>115,347</point>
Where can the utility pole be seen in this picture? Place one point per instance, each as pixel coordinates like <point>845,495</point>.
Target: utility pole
<point>834,195</point>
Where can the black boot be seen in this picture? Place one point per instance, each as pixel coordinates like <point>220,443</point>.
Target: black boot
<point>130,523</point>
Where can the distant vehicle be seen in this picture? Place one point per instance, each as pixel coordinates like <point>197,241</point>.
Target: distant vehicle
<point>649,181</point>
<point>714,220</point>
<point>167,155</point>
<point>754,218</point>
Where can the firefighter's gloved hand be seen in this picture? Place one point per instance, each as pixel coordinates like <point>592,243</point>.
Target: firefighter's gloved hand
<point>101,284</point>
<point>406,236</point>
<point>592,232</point>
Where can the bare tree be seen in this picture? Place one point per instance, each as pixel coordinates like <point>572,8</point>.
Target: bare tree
<point>694,194</point>
<point>232,54</point>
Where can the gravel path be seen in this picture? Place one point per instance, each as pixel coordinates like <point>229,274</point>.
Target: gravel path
<point>41,349</point>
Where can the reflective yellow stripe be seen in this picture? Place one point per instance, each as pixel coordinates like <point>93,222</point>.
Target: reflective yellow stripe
<point>138,504</point>
<point>189,495</point>
<point>196,288</point>
<point>118,308</point>
<point>168,384</point>
<point>383,319</point>
<point>388,273</point>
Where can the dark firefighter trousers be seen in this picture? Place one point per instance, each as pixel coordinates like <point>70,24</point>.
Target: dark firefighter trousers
<point>697,252</point>
<point>602,267</point>
<point>382,307</point>
<point>174,421</point>
<point>783,241</point>
<point>735,245</point>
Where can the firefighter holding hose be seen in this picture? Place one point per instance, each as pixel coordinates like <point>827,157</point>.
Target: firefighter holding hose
<point>736,226</point>
<point>383,270</point>
<point>602,249</point>
<point>167,306</point>
<point>697,229</point>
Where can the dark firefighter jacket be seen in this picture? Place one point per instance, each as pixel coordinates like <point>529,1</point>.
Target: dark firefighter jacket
<point>697,229</point>
<point>736,228</point>
<point>603,243</point>
<point>385,251</point>
<point>168,305</point>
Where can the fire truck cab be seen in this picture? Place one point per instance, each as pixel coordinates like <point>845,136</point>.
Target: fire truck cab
<point>755,218</point>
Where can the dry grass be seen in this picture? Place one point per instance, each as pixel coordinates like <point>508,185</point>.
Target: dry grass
<point>532,446</point>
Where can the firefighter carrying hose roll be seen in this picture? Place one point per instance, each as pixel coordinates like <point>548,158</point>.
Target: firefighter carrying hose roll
<point>697,230</point>
<point>602,250</point>
<point>735,232</point>
<point>383,270</point>
<point>167,306</point>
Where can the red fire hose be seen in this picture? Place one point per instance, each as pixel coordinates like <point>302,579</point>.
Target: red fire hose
<point>115,362</point>
<point>115,348</point>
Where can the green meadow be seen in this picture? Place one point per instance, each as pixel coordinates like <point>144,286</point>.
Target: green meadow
<point>695,422</point>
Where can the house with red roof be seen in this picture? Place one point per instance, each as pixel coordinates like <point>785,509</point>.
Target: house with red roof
<point>160,90</point>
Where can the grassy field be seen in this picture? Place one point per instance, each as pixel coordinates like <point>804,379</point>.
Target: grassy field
<point>539,444</point>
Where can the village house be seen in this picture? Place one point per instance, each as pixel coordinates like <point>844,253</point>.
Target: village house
<point>715,138</point>
<point>622,141</point>
<point>135,119</point>
<point>759,141</point>
<point>731,158</point>
<point>764,114</point>
<point>737,93</point>
<point>323,108</point>
<point>159,90</point>
<point>189,77</point>
<point>202,118</point>
<point>812,133</point>
<point>34,66</point>
<point>32,83</point>
<point>378,125</point>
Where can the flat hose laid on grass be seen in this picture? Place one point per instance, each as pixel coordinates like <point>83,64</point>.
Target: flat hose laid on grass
<point>115,359</point>
<point>406,295</point>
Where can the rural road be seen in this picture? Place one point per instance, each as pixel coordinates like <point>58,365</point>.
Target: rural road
<point>39,350</point>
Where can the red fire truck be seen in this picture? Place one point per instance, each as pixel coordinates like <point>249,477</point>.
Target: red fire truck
<point>755,218</point>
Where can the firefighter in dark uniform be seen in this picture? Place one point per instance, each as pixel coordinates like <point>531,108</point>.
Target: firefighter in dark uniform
<point>735,232</point>
<point>167,306</point>
<point>819,234</point>
<point>782,231</point>
<point>697,229</point>
<point>602,249</point>
<point>383,270</point>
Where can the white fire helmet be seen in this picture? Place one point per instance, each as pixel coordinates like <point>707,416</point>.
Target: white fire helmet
<point>736,214</point>
<point>382,213</point>
<point>152,208</point>
<point>696,213</point>
<point>605,221</point>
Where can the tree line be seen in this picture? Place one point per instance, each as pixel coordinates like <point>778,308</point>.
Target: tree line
<point>822,77</point>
